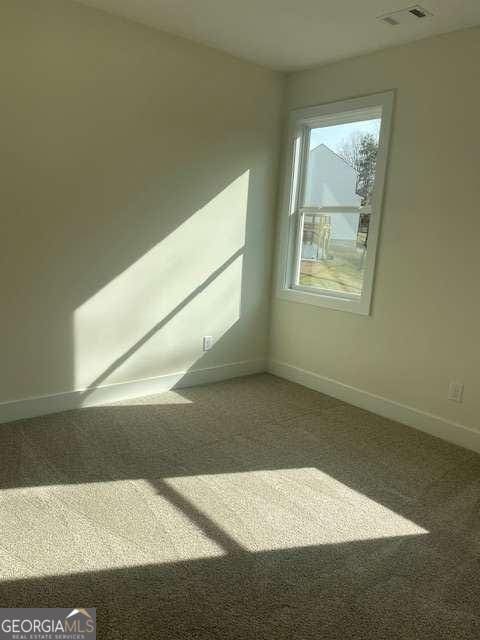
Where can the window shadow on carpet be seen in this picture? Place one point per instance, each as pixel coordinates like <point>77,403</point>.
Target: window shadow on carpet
<point>248,509</point>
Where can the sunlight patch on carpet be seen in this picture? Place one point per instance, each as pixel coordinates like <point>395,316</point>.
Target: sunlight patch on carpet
<point>288,508</point>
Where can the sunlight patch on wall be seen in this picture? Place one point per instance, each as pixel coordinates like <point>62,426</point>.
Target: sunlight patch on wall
<point>289,508</point>
<point>150,319</point>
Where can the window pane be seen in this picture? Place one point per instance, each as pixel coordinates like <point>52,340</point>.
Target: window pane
<point>333,202</point>
<point>341,164</point>
<point>333,252</point>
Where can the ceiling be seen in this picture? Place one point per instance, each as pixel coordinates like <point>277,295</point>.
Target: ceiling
<point>293,34</point>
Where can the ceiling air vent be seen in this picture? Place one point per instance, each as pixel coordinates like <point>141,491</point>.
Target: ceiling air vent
<point>418,13</point>
<point>405,16</point>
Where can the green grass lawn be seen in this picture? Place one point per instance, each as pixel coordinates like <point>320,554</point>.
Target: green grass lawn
<point>343,271</point>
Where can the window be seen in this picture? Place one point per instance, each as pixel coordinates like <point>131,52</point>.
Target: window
<point>333,198</point>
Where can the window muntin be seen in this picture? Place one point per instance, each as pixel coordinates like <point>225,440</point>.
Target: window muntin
<point>336,185</point>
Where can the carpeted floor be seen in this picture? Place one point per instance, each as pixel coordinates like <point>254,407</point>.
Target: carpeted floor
<point>248,509</point>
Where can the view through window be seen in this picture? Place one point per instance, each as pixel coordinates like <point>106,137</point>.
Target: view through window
<point>335,188</point>
<point>340,173</point>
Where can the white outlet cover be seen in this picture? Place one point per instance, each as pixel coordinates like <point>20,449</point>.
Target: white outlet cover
<point>207,342</point>
<point>455,391</point>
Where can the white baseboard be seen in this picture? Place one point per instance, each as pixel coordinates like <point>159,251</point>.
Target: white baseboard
<point>43,405</point>
<point>435,425</point>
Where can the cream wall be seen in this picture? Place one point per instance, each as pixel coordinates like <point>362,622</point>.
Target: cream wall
<point>424,327</point>
<point>138,175</point>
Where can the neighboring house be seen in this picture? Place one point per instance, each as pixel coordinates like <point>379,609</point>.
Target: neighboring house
<point>330,182</point>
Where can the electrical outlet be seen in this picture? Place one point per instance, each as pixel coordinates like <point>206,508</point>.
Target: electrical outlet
<point>455,391</point>
<point>207,343</point>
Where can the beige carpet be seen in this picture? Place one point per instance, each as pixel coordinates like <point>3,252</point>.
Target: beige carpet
<point>249,509</point>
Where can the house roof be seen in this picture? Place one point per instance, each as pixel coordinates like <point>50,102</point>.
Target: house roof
<point>324,146</point>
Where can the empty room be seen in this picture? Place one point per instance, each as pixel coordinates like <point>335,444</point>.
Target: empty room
<point>239,384</point>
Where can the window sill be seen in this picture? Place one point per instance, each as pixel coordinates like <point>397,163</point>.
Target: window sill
<point>335,302</point>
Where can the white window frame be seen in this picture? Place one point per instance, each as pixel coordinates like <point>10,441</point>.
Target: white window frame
<point>300,123</point>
